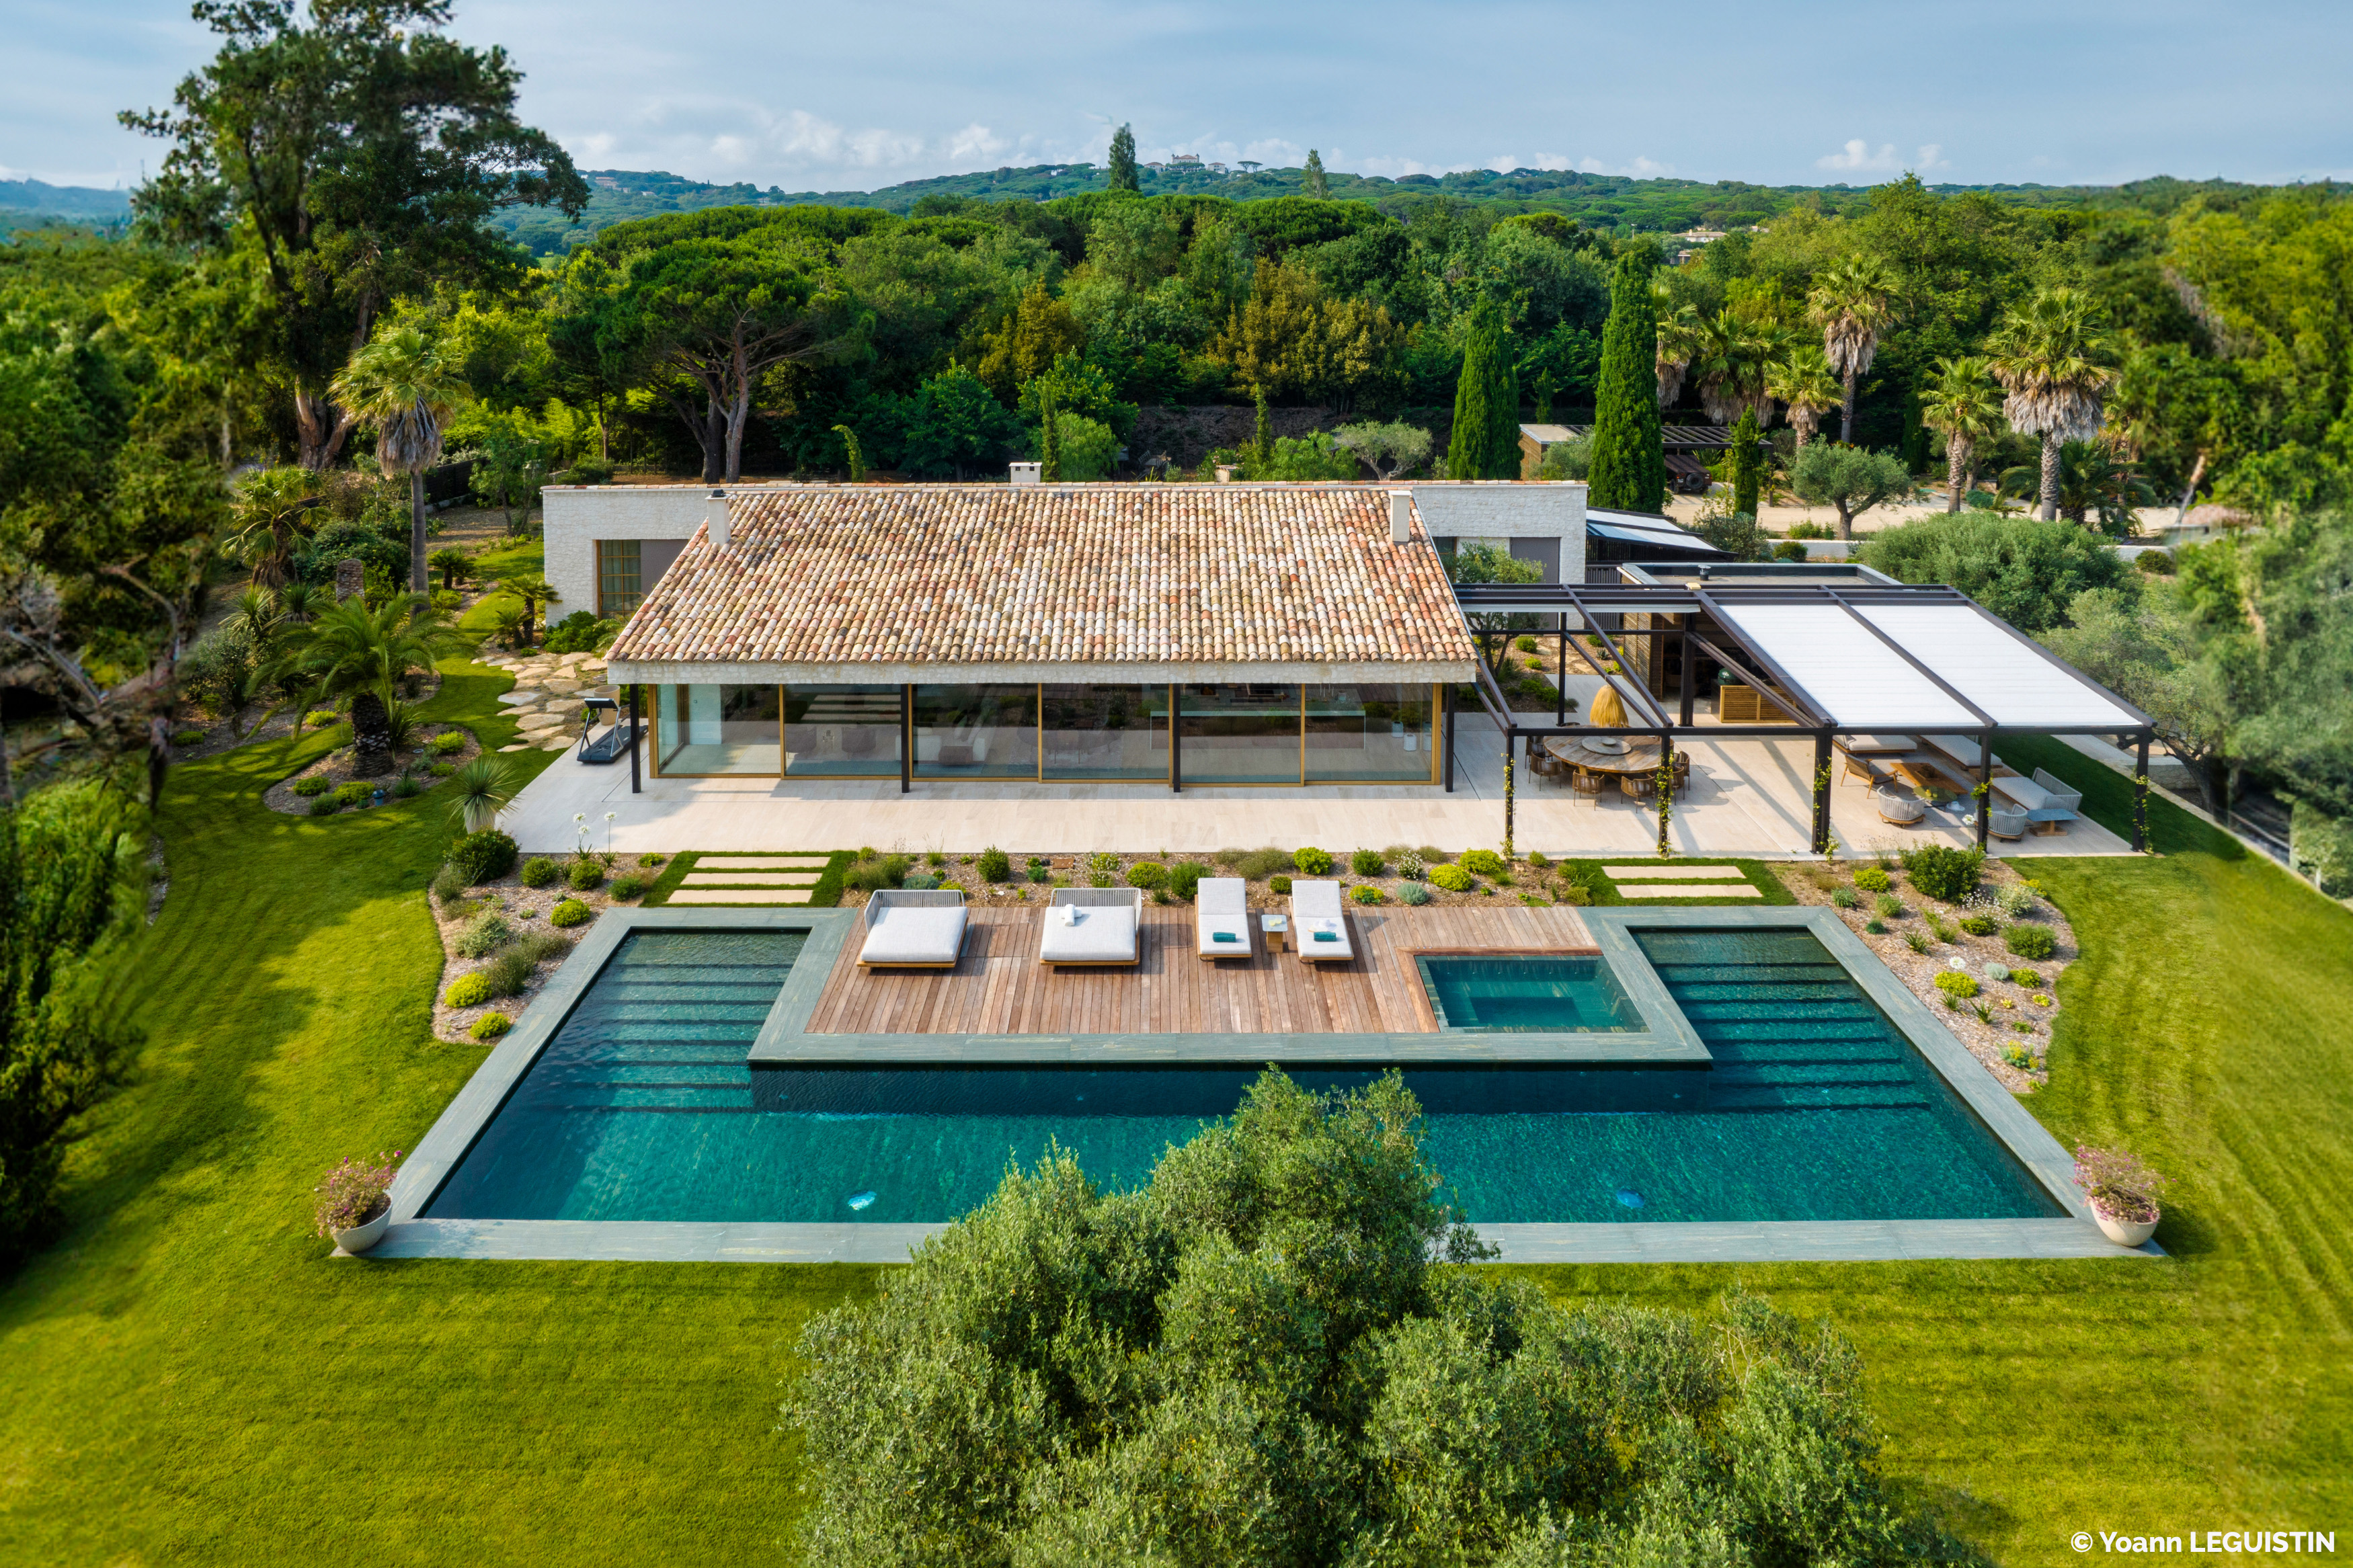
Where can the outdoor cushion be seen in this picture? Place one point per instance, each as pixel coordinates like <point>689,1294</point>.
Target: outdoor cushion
<point>1097,936</point>
<point>1222,916</point>
<point>1315,916</point>
<point>920,933</point>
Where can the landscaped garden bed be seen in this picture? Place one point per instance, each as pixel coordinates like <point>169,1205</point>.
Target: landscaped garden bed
<point>433,754</point>
<point>1946,948</point>
<point>502,936</point>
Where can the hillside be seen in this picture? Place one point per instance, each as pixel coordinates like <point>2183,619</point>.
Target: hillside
<point>77,204</point>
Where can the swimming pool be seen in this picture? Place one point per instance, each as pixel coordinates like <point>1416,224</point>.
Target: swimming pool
<point>641,1107</point>
<point>1526,993</point>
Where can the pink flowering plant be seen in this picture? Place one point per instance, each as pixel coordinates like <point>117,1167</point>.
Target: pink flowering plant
<point>2118,1185</point>
<point>354,1193</point>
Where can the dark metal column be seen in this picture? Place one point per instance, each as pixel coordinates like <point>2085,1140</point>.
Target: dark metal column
<point>1175,752</point>
<point>1664,786</point>
<point>1560,675</point>
<point>1446,695</point>
<point>1985,786</point>
<point>2140,796</point>
<point>906,739</point>
<point>1690,680</point>
<point>1822,791</point>
<point>633,738</point>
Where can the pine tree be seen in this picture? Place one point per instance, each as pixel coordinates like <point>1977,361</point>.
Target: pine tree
<point>1486,440</point>
<point>1747,476</point>
<point>1311,178</point>
<point>1050,448</point>
<point>1630,464</point>
<point>1122,161</point>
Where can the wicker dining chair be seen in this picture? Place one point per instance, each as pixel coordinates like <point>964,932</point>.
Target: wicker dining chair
<point>1638,787</point>
<point>1589,783</point>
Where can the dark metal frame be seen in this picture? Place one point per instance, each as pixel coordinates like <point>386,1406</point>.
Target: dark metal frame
<point>1702,620</point>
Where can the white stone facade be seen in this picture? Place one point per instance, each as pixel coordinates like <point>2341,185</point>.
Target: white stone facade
<point>1543,522</point>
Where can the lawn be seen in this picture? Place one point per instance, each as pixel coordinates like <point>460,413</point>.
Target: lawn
<point>188,1376</point>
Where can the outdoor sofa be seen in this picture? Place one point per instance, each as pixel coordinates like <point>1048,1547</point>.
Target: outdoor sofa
<point>1092,925</point>
<point>2043,797</point>
<point>1221,917</point>
<point>1317,924</point>
<point>914,929</point>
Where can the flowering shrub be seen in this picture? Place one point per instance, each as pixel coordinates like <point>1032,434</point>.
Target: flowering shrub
<point>1454,878</point>
<point>467,991</point>
<point>2013,899</point>
<point>1313,861</point>
<point>1482,863</point>
<point>2018,1057</point>
<point>2118,1185</point>
<point>1409,866</point>
<point>354,1194</point>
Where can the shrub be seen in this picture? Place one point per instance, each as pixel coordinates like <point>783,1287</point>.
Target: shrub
<point>441,770</point>
<point>1980,925</point>
<point>1368,863</point>
<point>919,881</point>
<point>483,857</point>
<point>1454,878</point>
<point>2018,1056</point>
<point>1956,986</point>
<point>1943,873</point>
<point>1917,941</point>
<point>353,1194</point>
<point>482,935</point>
<point>1256,865</point>
<point>1039,871</point>
<point>625,888</point>
<point>2014,900</point>
<point>569,912</point>
<point>1185,880</point>
<point>995,865</point>
<point>490,1025</point>
<point>872,873</point>
<point>934,859</point>
<point>2031,941</point>
<point>1844,898</point>
<point>325,806</point>
<point>321,719</point>
<point>1365,893</point>
<point>1409,865</point>
<point>1525,645</point>
<point>449,742</point>
<point>2117,1184</point>
<point>448,886</point>
<point>316,784</point>
<point>652,861</point>
<point>1576,894</point>
<point>510,971</point>
<point>1872,879</point>
<point>584,872</point>
<point>1875,926</point>
<point>1413,893</point>
<point>2025,977</point>
<point>1149,875</point>
<point>1481,863</point>
<point>1312,861</point>
<point>1278,884</point>
<point>1941,926</point>
<point>1536,860</point>
<point>467,991</point>
<point>1433,855</point>
<point>359,792</point>
<point>404,787</point>
<point>539,871</point>
<point>1888,906</point>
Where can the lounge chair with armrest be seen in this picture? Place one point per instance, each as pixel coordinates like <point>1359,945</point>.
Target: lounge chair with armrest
<point>1092,926</point>
<point>914,929</point>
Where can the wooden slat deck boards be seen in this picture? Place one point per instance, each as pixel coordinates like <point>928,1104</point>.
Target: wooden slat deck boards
<point>998,987</point>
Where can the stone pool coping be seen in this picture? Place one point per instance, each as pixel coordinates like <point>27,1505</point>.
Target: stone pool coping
<point>2075,1235</point>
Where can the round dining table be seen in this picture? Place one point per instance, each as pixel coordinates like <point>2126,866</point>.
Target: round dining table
<point>1640,755</point>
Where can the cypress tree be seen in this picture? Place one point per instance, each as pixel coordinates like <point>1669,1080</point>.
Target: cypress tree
<point>1747,471</point>
<point>1050,448</point>
<point>1122,160</point>
<point>1630,462</point>
<point>1262,437</point>
<point>1486,440</point>
<point>1311,178</point>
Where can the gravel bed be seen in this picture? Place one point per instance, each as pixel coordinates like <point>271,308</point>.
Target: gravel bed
<point>526,910</point>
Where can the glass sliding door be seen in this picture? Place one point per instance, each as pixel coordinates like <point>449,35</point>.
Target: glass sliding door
<point>976,732</point>
<point>1370,733</point>
<point>842,731</point>
<point>1239,735</point>
<point>1103,732</point>
<point>716,730</point>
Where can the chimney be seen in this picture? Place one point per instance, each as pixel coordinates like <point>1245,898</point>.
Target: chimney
<point>1401,517</point>
<point>714,518</point>
<point>1024,473</point>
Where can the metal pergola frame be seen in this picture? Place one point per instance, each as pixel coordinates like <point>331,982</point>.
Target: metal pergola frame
<point>1703,624</point>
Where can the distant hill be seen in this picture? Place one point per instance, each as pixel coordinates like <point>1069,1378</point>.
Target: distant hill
<point>79,204</point>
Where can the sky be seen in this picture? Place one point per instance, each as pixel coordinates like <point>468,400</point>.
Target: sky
<point>841,97</point>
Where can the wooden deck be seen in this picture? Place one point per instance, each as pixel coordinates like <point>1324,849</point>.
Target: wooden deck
<point>1000,987</point>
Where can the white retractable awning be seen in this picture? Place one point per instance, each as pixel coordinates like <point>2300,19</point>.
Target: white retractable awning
<point>1831,652</point>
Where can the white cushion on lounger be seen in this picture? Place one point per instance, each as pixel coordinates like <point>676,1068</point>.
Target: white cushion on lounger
<point>918,934</point>
<point>1102,935</point>
<point>1317,927</point>
<point>1221,909</point>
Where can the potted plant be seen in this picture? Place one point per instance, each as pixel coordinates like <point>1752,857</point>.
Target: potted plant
<point>355,1205</point>
<point>2122,1193</point>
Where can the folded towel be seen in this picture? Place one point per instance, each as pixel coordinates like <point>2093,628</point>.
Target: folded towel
<point>1327,936</point>
<point>1223,936</point>
<point>1069,914</point>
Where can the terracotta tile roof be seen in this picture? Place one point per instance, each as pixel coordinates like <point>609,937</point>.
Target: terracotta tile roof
<point>950,575</point>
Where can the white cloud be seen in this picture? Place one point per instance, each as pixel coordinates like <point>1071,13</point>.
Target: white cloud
<point>1857,157</point>
<point>1931,156</point>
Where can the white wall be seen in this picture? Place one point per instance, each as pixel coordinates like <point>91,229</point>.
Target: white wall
<point>1509,513</point>
<point>577,516</point>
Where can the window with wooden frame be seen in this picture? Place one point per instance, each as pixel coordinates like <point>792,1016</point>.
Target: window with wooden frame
<point>620,577</point>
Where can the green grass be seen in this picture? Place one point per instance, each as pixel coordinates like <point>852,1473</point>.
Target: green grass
<point>506,558</point>
<point>826,895</point>
<point>1758,873</point>
<point>187,1376</point>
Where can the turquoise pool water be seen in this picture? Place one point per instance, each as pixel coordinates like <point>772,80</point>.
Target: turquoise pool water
<point>1569,993</point>
<point>642,1109</point>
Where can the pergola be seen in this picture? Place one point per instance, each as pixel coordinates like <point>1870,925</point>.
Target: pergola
<point>1848,660</point>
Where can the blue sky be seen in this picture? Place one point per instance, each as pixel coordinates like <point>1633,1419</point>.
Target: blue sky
<point>856,96</point>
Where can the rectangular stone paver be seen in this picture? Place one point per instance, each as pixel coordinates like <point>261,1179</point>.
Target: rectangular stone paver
<point>740,896</point>
<point>1665,873</point>
<point>1692,890</point>
<point>760,862</point>
<point>750,879</point>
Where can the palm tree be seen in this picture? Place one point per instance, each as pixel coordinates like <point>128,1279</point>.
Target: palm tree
<point>271,512</point>
<point>1734,354</point>
<point>1803,380</point>
<point>400,384</point>
<point>1854,304</point>
<point>351,648</point>
<point>2057,364</point>
<point>1963,405</point>
<point>2092,478</point>
<point>1679,330</point>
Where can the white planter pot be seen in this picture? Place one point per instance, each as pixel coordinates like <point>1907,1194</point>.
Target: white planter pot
<point>360,1237</point>
<point>2124,1232</point>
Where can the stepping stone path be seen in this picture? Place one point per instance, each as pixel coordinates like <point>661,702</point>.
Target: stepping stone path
<point>1690,891</point>
<point>751,879</point>
<point>1637,882</point>
<point>548,691</point>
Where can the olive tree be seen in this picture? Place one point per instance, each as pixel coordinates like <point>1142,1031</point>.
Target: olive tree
<point>1848,480</point>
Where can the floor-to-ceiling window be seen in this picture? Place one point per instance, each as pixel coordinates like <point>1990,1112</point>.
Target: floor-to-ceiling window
<point>979,732</point>
<point>1103,732</point>
<point>715,728</point>
<point>1370,733</point>
<point>844,731</point>
<point>1238,734</point>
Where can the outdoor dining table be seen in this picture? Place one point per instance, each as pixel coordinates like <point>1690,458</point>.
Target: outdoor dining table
<point>1640,755</point>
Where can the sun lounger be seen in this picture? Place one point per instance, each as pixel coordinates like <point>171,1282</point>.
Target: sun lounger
<point>1092,925</point>
<point>908,929</point>
<point>1873,745</point>
<point>1221,917</point>
<point>1317,924</point>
